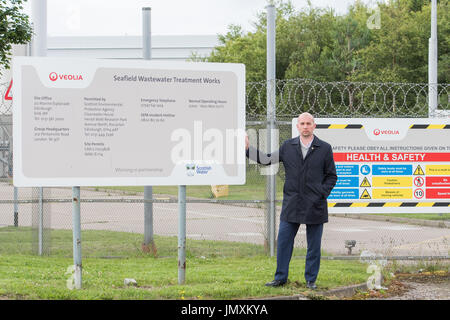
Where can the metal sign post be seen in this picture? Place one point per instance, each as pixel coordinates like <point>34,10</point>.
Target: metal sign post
<point>271,139</point>
<point>149,244</point>
<point>181,234</point>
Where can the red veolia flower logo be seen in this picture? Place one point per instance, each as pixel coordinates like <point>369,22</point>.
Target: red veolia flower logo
<point>53,76</point>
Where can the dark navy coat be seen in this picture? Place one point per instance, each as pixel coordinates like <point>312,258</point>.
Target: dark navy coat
<point>308,182</point>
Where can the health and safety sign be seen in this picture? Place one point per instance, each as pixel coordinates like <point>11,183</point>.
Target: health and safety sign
<point>388,165</point>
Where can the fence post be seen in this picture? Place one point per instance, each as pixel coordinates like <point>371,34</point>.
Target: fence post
<point>271,143</point>
<point>432,63</point>
<point>76,218</point>
<point>41,221</point>
<point>39,17</point>
<point>16,208</point>
<point>149,244</point>
<point>39,48</point>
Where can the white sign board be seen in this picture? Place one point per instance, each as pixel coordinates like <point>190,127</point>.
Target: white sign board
<point>388,165</point>
<point>91,122</point>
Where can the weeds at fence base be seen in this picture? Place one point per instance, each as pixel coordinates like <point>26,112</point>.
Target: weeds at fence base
<point>150,248</point>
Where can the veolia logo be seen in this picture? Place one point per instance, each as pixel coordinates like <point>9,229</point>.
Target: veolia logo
<point>377,132</point>
<point>54,76</point>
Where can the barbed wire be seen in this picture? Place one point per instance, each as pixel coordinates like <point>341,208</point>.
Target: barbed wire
<point>345,99</point>
<point>331,99</point>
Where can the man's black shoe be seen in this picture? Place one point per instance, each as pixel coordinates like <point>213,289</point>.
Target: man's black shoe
<point>275,283</point>
<point>311,285</point>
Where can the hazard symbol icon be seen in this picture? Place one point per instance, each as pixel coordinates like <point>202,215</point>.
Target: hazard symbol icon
<point>365,195</point>
<point>418,171</point>
<point>365,183</point>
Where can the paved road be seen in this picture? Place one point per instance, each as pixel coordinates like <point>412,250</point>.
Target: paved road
<point>230,223</point>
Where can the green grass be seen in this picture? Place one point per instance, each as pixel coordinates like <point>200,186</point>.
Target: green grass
<point>215,269</point>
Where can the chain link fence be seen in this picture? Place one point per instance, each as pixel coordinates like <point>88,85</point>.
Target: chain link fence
<point>40,220</point>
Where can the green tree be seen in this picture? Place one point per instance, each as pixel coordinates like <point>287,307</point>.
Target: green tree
<point>239,48</point>
<point>343,61</point>
<point>443,26</point>
<point>250,48</point>
<point>398,51</point>
<point>15,28</point>
<point>321,45</point>
<point>314,38</point>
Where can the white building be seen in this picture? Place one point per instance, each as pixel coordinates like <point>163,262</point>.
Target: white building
<point>171,47</point>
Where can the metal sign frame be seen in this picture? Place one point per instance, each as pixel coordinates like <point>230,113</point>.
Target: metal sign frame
<point>186,105</point>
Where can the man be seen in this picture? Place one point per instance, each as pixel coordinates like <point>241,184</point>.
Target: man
<point>310,175</point>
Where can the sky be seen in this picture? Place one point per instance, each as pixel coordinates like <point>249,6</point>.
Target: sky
<point>168,17</point>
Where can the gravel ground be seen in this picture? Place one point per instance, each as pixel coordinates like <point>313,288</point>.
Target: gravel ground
<point>424,291</point>
<point>416,287</point>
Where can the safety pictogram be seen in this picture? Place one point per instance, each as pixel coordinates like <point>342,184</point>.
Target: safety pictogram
<point>365,169</point>
<point>419,181</point>
<point>418,193</point>
<point>418,171</point>
<point>365,183</point>
<point>365,195</point>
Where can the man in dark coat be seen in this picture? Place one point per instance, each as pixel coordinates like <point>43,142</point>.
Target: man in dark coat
<point>310,175</point>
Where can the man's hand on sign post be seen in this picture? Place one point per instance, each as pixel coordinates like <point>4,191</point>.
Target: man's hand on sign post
<point>247,143</point>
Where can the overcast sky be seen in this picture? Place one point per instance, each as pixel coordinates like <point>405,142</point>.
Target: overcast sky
<point>169,17</point>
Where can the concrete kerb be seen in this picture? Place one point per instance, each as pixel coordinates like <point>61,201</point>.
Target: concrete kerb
<point>344,292</point>
<point>337,293</point>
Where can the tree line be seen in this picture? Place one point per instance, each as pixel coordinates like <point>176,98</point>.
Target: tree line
<point>385,43</point>
<point>366,62</point>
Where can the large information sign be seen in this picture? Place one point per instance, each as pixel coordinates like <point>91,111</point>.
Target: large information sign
<point>91,122</point>
<point>388,165</point>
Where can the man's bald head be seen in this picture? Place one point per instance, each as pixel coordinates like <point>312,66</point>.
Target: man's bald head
<point>306,125</point>
<point>306,116</point>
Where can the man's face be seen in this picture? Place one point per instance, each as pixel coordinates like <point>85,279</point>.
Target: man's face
<point>305,126</point>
